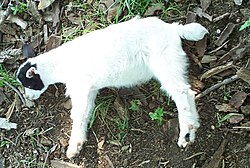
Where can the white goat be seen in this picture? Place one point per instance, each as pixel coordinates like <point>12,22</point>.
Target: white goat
<point>121,55</point>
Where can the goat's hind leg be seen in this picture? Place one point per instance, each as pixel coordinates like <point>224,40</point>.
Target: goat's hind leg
<point>82,106</point>
<point>171,74</point>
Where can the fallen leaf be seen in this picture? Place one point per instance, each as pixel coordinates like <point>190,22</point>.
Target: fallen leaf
<point>238,99</point>
<point>226,108</point>
<point>74,19</point>
<point>201,14</point>
<point>62,164</point>
<point>56,11</point>
<point>236,118</point>
<point>235,53</point>
<point>245,109</point>
<point>20,22</point>
<point>32,9</point>
<point>53,42</point>
<point>153,9</point>
<point>225,34</point>
<point>191,17</point>
<point>208,58</point>
<point>44,4</point>
<point>5,124</point>
<point>205,4</point>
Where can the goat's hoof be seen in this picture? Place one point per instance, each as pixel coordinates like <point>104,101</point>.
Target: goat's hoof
<point>188,136</point>
<point>73,150</point>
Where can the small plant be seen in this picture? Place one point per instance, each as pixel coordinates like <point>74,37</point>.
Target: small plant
<point>4,143</point>
<point>157,115</point>
<point>135,105</point>
<point>245,25</point>
<point>6,77</point>
<point>222,119</point>
<point>122,125</point>
<point>226,95</point>
<point>20,7</point>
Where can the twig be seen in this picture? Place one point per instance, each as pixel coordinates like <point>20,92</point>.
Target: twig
<point>17,91</point>
<point>216,86</point>
<point>194,155</point>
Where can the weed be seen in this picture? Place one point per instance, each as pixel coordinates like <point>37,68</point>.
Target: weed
<point>101,109</point>
<point>20,7</point>
<point>6,77</point>
<point>226,95</point>
<point>245,25</point>
<point>157,115</point>
<point>4,143</point>
<point>133,7</point>
<point>122,125</point>
<point>221,120</point>
<point>135,105</point>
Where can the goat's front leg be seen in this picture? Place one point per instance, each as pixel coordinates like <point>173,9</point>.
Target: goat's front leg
<point>82,106</point>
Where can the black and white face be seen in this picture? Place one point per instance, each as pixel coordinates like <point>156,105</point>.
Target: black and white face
<point>29,77</point>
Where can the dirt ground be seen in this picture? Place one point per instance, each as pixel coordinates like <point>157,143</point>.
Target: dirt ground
<point>123,136</point>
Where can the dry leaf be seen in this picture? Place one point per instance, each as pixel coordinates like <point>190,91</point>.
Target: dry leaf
<point>238,99</point>
<point>236,118</point>
<point>191,17</point>
<point>208,58</point>
<point>153,9</point>
<point>201,14</point>
<point>32,9</point>
<point>225,34</point>
<point>44,4</point>
<point>53,42</point>
<point>226,108</point>
<point>245,109</point>
<point>205,4</point>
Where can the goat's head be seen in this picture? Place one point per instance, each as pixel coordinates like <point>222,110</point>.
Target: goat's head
<point>28,75</point>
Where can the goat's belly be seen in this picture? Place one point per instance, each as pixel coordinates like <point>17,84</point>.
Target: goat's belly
<point>124,79</point>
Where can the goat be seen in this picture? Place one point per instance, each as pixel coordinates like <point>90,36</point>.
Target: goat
<point>121,55</point>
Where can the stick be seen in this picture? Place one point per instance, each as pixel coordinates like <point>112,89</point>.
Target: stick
<point>13,88</point>
<point>216,86</point>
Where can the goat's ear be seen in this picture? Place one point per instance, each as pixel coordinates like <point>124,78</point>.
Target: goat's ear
<point>28,51</point>
<point>31,72</point>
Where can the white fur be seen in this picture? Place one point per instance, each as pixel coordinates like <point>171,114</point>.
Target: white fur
<point>124,54</point>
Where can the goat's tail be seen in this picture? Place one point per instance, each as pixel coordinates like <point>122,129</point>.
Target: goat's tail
<point>192,31</point>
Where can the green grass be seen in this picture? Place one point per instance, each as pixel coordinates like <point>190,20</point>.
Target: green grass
<point>18,8</point>
<point>6,76</point>
<point>135,105</point>
<point>245,25</point>
<point>223,119</point>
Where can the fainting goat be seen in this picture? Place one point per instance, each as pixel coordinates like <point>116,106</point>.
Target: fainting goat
<point>121,55</point>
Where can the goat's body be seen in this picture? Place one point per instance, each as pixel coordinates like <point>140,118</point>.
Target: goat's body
<point>128,50</point>
<point>122,55</point>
